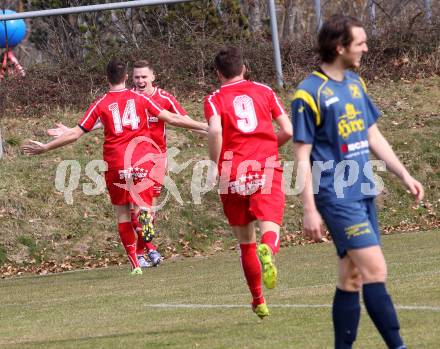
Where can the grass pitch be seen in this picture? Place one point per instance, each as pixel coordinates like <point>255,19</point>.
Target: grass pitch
<point>204,303</point>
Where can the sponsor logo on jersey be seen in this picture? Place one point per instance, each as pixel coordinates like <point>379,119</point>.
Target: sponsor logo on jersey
<point>328,92</point>
<point>347,148</point>
<point>331,101</point>
<point>247,184</point>
<point>349,122</point>
<point>134,173</point>
<point>355,91</point>
<point>153,119</point>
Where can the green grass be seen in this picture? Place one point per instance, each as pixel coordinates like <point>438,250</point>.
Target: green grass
<point>106,308</point>
<point>30,243</point>
<point>31,206</point>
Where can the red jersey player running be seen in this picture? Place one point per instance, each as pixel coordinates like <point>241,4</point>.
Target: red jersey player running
<point>123,115</point>
<point>243,143</point>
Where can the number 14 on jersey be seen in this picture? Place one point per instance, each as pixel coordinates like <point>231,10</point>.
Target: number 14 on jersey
<point>129,117</point>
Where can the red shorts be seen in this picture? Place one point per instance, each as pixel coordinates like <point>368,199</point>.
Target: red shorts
<point>260,195</point>
<point>130,186</point>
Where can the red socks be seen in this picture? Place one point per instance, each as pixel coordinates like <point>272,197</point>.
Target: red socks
<point>252,271</point>
<point>271,239</point>
<point>128,239</point>
<point>141,246</point>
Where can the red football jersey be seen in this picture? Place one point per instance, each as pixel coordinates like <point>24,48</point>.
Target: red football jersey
<point>157,127</point>
<point>246,109</point>
<point>123,116</point>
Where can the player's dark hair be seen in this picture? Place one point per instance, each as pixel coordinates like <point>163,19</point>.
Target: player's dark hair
<point>229,62</point>
<point>335,31</point>
<point>116,71</point>
<point>142,63</point>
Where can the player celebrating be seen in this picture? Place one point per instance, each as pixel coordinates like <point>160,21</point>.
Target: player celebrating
<point>243,143</point>
<point>143,78</point>
<point>334,129</point>
<point>122,113</point>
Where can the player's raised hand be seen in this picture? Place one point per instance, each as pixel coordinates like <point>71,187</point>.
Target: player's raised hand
<point>31,147</point>
<point>312,225</point>
<point>415,187</point>
<point>58,130</point>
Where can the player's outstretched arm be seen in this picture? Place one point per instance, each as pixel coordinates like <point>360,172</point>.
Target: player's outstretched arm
<point>203,133</point>
<point>61,129</point>
<point>34,148</point>
<point>182,121</point>
<point>58,130</point>
<point>286,130</point>
<point>200,132</point>
<point>383,151</point>
<point>312,221</point>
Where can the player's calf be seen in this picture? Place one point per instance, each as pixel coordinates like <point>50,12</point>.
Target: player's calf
<point>271,239</point>
<point>380,307</point>
<point>128,239</point>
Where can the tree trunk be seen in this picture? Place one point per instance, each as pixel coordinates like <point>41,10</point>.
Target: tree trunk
<point>252,10</point>
<point>372,17</point>
<point>255,22</point>
<point>289,21</point>
<point>428,12</point>
<point>318,14</point>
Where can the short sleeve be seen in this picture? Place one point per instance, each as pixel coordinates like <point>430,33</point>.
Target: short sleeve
<point>175,106</point>
<point>91,116</point>
<point>373,111</point>
<point>303,120</point>
<point>276,106</point>
<point>152,108</point>
<point>210,107</point>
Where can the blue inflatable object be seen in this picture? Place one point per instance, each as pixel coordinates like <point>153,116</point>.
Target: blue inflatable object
<point>16,29</point>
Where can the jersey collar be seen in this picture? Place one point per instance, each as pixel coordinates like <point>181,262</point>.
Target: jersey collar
<point>233,83</point>
<point>121,90</point>
<point>153,93</point>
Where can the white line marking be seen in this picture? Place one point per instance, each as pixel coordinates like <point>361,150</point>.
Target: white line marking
<point>216,306</point>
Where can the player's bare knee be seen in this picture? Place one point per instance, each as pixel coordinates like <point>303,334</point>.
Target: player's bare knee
<point>374,272</point>
<point>350,280</point>
<point>356,281</point>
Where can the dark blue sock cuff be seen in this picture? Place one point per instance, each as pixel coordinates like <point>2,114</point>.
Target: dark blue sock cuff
<point>347,297</point>
<point>375,289</point>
